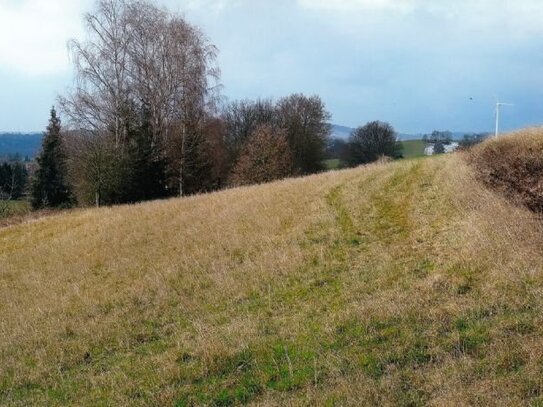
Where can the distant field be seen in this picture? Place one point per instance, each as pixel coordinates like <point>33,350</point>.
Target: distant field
<point>400,284</point>
<point>413,148</point>
<point>14,208</point>
<point>332,164</point>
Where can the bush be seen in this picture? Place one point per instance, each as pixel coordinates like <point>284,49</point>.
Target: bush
<point>439,147</point>
<point>266,157</point>
<point>513,165</point>
<point>370,142</point>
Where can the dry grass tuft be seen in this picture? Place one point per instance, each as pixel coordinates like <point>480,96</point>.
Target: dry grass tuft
<point>393,284</point>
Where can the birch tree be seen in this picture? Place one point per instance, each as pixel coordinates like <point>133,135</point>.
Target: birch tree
<point>141,58</point>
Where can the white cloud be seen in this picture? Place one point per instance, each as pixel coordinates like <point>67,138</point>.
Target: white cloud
<point>33,34</point>
<point>498,20</point>
<point>516,12</point>
<point>353,5</point>
<point>215,7</point>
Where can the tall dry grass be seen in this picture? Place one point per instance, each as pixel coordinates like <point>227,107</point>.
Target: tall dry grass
<point>394,284</point>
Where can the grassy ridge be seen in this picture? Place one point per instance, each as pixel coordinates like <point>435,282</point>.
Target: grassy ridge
<point>400,284</point>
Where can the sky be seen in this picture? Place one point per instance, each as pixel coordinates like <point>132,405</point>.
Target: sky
<point>417,64</point>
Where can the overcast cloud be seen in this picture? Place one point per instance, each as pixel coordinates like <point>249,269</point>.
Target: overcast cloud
<point>421,65</point>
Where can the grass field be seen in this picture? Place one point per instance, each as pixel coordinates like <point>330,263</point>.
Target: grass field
<point>393,284</point>
<point>14,208</point>
<point>332,164</point>
<point>413,148</point>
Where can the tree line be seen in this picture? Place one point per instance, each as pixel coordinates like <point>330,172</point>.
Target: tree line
<point>13,180</point>
<point>366,144</point>
<point>146,120</point>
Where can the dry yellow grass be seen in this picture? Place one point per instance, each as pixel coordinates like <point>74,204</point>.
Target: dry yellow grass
<point>394,284</point>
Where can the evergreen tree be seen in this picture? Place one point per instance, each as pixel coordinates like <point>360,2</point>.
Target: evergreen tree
<point>145,178</point>
<point>50,187</point>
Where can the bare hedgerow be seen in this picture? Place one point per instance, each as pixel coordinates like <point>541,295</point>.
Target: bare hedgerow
<point>265,157</point>
<point>513,165</point>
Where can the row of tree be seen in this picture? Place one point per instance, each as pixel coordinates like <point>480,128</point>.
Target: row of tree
<point>248,142</point>
<point>147,84</point>
<point>442,138</point>
<point>472,139</point>
<point>251,142</point>
<point>366,144</point>
<point>13,180</point>
<point>145,121</point>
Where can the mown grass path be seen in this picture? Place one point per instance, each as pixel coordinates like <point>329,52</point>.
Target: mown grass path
<point>395,284</point>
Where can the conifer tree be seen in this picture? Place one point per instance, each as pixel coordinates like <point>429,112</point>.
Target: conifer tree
<point>50,186</point>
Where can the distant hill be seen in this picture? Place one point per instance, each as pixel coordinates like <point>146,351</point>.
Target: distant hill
<point>407,137</point>
<point>25,144</point>
<point>342,132</point>
<point>28,144</point>
<point>456,135</point>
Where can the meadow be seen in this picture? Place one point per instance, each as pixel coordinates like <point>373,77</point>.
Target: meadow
<point>413,148</point>
<point>10,209</point>
<point>404,283</point>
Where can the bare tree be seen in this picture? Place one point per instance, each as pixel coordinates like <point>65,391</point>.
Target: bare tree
<point>305,120</point>
<point>102,66</point>
<point>370,142</point>
<point>95,172</point>
<point>265,157</point>
<point>194,95</point>
<point>138,57</point>
<point>243,117</point>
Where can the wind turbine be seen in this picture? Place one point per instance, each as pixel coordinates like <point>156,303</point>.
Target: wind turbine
<point>498,106</point>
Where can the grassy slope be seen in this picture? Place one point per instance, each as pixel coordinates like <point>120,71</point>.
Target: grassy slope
<point>402,283</point>
<point>413,148</point>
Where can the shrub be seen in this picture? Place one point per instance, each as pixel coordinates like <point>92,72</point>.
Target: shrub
<point>265,157</point>
<point>513,165</point>
<point>368,143</point>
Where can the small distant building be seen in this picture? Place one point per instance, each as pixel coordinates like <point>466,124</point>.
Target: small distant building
<point>449,148</point>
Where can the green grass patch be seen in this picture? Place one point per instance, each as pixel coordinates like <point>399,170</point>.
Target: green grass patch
<point>332,164</point>
<point>14,208</point>
<point>413,148</point>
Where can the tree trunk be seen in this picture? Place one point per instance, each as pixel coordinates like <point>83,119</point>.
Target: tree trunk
<point>182,163</point>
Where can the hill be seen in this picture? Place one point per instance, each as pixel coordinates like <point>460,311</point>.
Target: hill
<point>393,284</point>
<point>344,132</point>
<point>341,132</point>
<point>18,143</point>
